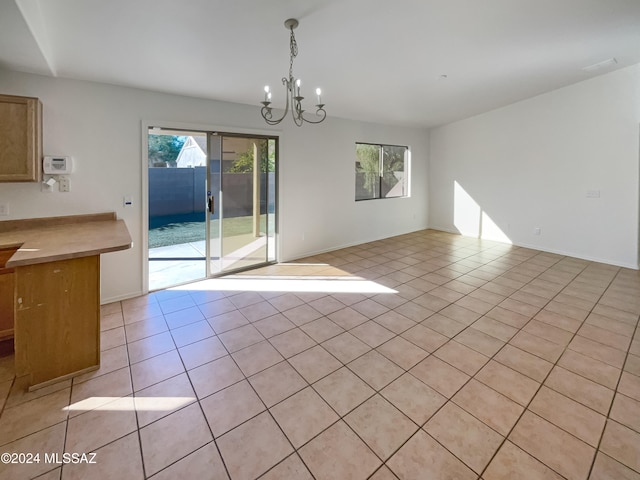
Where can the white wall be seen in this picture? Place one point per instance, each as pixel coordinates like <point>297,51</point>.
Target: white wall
<point>101,127</point>
<point>530,164</point>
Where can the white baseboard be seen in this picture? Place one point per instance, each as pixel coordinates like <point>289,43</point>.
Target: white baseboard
<point>119,298</point>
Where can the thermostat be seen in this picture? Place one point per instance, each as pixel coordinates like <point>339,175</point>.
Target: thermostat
<point>57,165</point>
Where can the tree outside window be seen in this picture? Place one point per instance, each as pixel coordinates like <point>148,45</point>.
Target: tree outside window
<point>381,171</point>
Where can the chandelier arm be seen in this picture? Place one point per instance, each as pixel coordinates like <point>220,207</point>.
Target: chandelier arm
<point>319,111</point>
<point>296,111</point>
<point>266,110</point>
<point>266,115</point>
<point>295,104</point>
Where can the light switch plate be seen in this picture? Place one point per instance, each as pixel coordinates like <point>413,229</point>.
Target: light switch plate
<point>4,209</point>
<point>63,184</point>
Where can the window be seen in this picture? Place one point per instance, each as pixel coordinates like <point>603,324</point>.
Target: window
<point>382,171</point>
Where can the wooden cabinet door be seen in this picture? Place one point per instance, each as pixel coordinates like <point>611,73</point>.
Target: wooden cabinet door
<point>7,295</point>
<point>57,328</point>
<point>20,139</point>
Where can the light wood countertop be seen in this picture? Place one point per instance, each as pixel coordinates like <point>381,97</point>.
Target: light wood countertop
<point>50,239</point>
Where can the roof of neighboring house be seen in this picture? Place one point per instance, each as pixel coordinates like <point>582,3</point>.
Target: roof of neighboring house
<point>191,154</point>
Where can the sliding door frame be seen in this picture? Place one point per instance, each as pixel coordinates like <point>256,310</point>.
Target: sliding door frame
<point>220,203</point>
<point>146,125</point>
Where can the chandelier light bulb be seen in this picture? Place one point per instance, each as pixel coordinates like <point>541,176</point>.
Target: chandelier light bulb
<point>318,93</point>
<point>267,93</point>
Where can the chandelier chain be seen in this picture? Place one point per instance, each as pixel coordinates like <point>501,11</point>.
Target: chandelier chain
<point>293,52</point>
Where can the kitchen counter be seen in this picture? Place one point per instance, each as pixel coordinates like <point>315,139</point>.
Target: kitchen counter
<point>54,265</point>
<point>50,239</point>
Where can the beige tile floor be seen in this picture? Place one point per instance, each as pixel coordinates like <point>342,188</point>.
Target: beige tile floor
<point>455,359</point>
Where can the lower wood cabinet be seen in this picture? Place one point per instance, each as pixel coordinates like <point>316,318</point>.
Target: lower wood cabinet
<point>7,294</point>
<point>57,328</point>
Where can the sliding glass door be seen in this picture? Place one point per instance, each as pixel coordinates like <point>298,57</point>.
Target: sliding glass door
<point>241,201</point>
<point>213,205</point>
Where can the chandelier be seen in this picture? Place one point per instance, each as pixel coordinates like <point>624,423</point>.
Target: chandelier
<point>292,88</point>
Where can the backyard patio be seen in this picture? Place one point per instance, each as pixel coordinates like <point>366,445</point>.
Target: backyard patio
<point>177,251</point>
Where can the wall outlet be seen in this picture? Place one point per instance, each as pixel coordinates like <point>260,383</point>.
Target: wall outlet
<point>64,185</point>
<point>537,230</point>
<point>4,209</point>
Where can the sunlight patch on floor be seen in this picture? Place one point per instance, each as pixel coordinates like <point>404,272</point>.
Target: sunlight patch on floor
<point>156,404</point>
<point>290,284</point>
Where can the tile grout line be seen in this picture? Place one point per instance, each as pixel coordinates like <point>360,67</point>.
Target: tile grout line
<point>542,384</point>
<point>213,438</point>
<point>473,376</point>
<point>421,427</point>
<point>615,394</point>
<point>138,429</point>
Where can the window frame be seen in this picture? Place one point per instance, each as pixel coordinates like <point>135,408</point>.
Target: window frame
<point>380,172</point>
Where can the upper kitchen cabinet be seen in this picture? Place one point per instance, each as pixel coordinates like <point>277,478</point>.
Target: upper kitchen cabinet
<point>20,139</point>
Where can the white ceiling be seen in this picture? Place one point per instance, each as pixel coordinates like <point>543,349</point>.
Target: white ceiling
<point>376,60</point>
